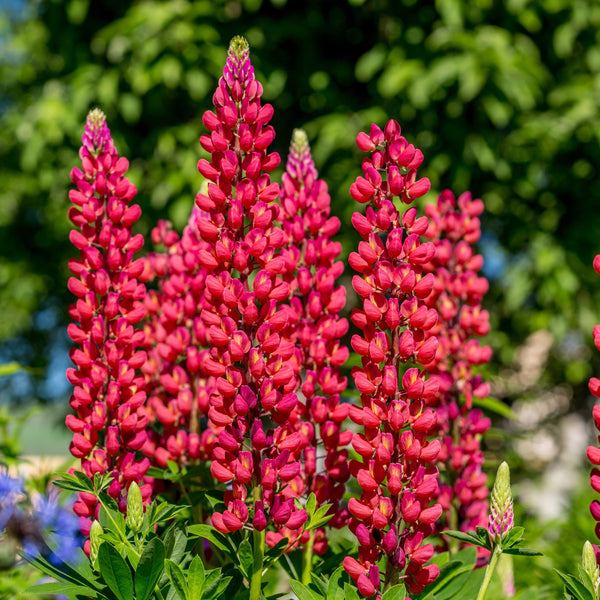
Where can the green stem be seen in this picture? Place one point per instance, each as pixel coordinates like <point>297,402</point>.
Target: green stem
<point>489,571</point>
<point>307,555</point>
<point>391,575</point>
<point>258,537</point>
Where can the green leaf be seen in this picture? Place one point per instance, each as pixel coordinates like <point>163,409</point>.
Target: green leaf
<point>334,589</point>
<point>115,571</point>
<point>350,592</point>
<point>245,558</point>
<point>211,583</point>
<point>521,552</point>
<point>469,538</point>
<point>574,586</point>
<point>111,520</point>
<point>177,578</point>
<point>513,537</point>
<point>64,589</point>
<point>274,553</point>
<point>495,406</point>
<point>302,591</point>
<point>61,572</point>
<point>320,517</point>
<point>397,592</point>
<point>149,569</point>
<point>214,537</point>
<point>196,577</point>
<point>311,504</point>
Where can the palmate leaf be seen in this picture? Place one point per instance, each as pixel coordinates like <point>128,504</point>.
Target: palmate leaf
<point>303,592</point>
<point>575,587</point>
<point>63,571</point>
<point>149,569</point>
<point>215,537</point>
<point>177,579</point>
<point>115,571</point>
<point>397,592</point>
<point>335,591</point>
<point>77,592</point>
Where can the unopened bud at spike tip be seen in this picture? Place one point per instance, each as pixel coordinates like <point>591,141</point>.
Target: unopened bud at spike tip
<point>501,507</point>
<point>239,47</point>
<point>299,140</point>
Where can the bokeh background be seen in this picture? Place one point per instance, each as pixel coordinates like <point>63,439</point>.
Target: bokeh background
<point>502,97</point>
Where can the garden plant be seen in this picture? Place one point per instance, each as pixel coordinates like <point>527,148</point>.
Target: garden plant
<point>221,452</point>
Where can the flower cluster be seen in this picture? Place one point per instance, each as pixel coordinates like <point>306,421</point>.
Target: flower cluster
<point>178,391</point>
<point>110,423</point>
<point>593,452</point>
<point>316,328</point>
<point>457,294</point>
<point>397,473</point>
<point>254,365</point>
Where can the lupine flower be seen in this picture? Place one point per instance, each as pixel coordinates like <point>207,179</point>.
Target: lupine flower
<point>457,295</point>
<point>315,327</point>
<point>178,391</point>
<point>109,426</point>
<point>501,519</point>
<point>397,473</point>
<point>593,452</point>
<point>254,365</point>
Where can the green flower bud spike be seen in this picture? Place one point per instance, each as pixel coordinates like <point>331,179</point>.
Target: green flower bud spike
<point>95,532</point>
<point>590,566</point>
<point>501,506</point>
<point>135,508</point>
<point>500,523</point>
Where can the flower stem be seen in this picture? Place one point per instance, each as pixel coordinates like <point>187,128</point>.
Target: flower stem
<point>258,539</point>
<point>307,555</point>
<point>489,571</point>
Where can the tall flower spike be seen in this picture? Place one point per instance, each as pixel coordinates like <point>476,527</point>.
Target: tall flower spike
<point>501,506</point>
<point>593,452</point>
<point>257,448</point>
<point>316,328</point>
<point>457,295</point>
<point>109,426</point>
<point>396,472</point>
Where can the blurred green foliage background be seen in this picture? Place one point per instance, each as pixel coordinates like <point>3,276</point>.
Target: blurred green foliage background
<point>502,97</point>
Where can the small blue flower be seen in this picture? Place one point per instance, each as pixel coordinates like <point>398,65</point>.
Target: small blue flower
<point>10,488</point>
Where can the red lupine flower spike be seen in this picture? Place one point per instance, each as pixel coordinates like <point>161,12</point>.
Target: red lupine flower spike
<point>315,328</point>
<point>396,473</point>
<point>109,394</point>
<point>246,349</point>
<point>457,293</point>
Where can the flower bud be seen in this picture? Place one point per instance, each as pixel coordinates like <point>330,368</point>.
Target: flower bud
<point>95,532</point>
<point>501,519</point>
<point>135,508</point>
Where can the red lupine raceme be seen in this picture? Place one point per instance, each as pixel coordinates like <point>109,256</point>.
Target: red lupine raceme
<point>315,327</point>
<point>457,295</point>
<point>397,471</point>
<point>109,424</point>
<point>257,448</point>
<point>178,392</point>
<point>593,452</point>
